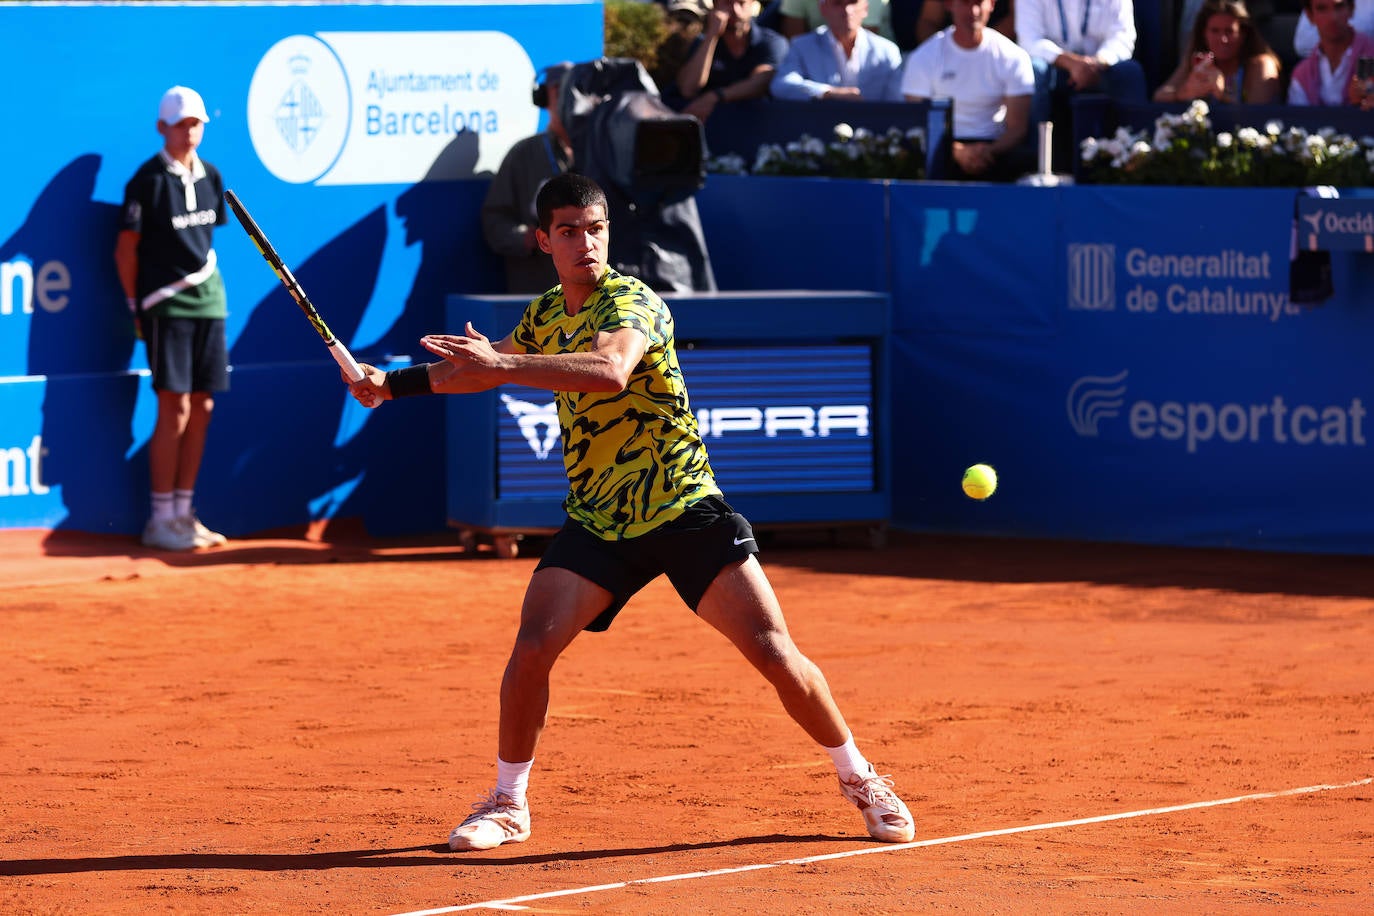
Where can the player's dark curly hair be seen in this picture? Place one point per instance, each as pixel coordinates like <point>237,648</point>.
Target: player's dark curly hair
<point>567,190</point>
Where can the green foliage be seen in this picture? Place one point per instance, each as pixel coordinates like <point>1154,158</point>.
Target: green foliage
<point>635,29</point>
<point>1183,150</point>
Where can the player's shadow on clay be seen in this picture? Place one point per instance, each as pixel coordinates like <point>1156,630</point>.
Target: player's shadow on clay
<point>403,857</point>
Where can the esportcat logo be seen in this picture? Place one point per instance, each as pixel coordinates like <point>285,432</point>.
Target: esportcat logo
<point>1094,398</point>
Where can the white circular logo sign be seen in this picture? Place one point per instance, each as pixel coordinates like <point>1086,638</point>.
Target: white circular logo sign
<point>299,106</point>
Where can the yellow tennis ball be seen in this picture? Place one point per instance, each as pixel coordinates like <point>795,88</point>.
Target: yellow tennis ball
<point>980,481</point>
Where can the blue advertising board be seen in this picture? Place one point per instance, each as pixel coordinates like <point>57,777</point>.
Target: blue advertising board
<point>360,136</point>
<point>1155,383</point>
<point>789,413</point>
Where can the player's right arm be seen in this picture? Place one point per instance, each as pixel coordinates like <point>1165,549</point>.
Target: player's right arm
<point>441,377</point>
<point>476,364</point>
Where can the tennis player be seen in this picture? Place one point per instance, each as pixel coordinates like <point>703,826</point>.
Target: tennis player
<point>642,501</point>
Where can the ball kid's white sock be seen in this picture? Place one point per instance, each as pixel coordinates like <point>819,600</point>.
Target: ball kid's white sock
<point>162,507</point>
<point>848,760</point>
<point>512,779</point>
<point>181,502</point>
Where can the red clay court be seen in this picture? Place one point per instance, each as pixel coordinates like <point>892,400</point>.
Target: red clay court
<point>293,726</point>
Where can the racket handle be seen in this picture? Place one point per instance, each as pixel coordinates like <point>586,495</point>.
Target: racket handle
<point>346,361</point>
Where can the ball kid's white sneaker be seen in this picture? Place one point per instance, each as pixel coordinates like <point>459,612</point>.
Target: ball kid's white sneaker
<point>169,534</point>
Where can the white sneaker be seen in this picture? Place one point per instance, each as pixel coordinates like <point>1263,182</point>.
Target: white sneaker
<point>204,536</point>
<point>884,813</point>
<point>494,820</point>
<point>169,534</point>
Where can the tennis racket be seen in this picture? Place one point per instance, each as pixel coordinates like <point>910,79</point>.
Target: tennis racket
<point>336,348</point>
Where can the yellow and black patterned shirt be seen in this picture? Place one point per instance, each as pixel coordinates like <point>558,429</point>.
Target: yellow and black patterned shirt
<point>634,458</point>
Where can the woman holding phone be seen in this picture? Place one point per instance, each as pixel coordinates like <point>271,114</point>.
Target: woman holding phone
<point>1227,60</point>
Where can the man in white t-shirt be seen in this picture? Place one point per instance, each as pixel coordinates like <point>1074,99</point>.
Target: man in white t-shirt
<point>990,80</point>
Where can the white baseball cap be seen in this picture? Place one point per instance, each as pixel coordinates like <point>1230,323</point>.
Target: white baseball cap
<point>180,103</point>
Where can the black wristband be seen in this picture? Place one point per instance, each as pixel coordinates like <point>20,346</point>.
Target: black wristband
<point>410,381</point>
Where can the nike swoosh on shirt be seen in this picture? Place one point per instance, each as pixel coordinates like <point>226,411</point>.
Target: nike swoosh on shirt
<point>568,336</point>
<point>739,541</point>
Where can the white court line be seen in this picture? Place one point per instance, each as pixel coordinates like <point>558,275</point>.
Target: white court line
<point>514,903</point>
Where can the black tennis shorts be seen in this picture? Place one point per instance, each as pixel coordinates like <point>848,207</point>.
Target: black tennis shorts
<point>691,550</point>
<point>186,354</point>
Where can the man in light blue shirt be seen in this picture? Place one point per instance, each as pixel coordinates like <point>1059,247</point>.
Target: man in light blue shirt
<point>841,60</point>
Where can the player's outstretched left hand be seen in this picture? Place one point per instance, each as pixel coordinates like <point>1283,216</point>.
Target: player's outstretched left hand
<point>470,356</point>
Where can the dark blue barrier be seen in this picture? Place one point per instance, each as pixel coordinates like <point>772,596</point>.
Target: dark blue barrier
<point>741,128</point>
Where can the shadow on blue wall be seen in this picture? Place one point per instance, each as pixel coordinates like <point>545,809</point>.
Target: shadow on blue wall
<point>289,434</point>
<point>81,336</point>
<point>287,444</point>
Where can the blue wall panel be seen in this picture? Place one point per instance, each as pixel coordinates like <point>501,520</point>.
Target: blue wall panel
<point>379,227</point>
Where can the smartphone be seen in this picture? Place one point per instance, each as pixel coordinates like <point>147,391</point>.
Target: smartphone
<point>1204,57</point>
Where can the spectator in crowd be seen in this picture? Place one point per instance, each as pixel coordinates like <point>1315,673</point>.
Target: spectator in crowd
<point>1227,60</point>
<point>170,275</point>
<point>1330,75</point>
<point>841,60</point>
<point>1305,37</point>
<point>685,20</point>
<point>990,80</point>
<point>508,217</point>
<point>1079,46</point>
<point>913,21</point>
<point>732,60</point>
<point>797,17</point>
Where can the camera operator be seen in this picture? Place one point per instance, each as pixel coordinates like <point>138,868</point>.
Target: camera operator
<point>508,217</point>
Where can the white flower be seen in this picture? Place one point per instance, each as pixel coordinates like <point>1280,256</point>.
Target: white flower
<point>768,154</point>
<point>1089,149</point>
<point>812,146</point>
<point>844,132</point>
<point>1224,140</point>
<point>1273,128</point>
<point>728,164</point>
<point>1248,136</point>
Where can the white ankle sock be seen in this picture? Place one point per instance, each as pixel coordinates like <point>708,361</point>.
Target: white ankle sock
<point>848,760</point>
<point>512,779</point>
<point>162,509</point>
<point>181,502</point>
